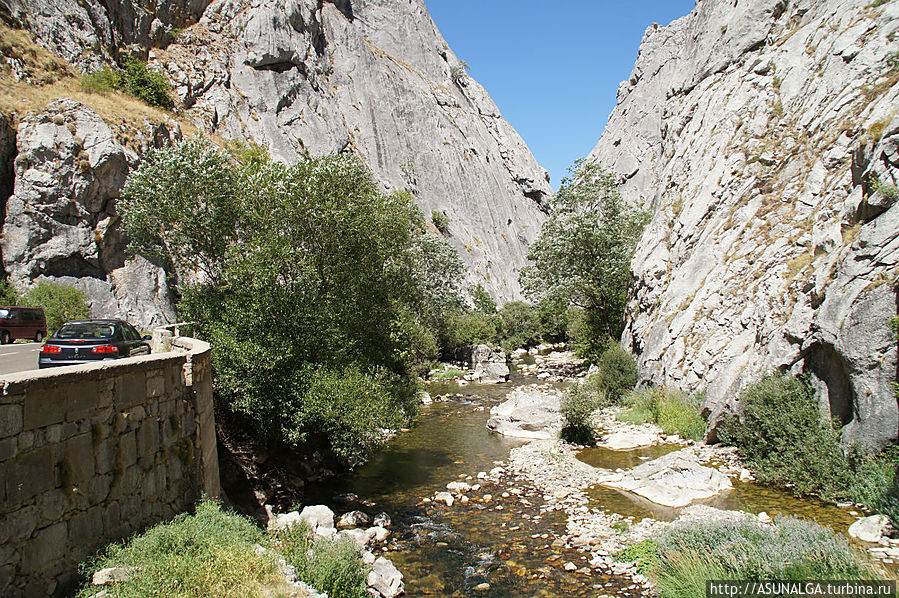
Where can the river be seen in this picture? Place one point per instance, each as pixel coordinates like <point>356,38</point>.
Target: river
<point>501,542</point>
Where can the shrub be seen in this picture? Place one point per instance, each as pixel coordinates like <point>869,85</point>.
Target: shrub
<point>8,294</point>
<point>674,412</point>
<point>586,334</point>
<point>578,405</point>
<point>441,222</point>
<point>463,329</point>
<point>60,303</point>
<point>150,86</point>
<point>617,372</point>
<point>791,550</point>
<point>209,553</point>
<point>644,553</point>
<point>135,79</point>
<point>781,437</point>
<point>331,566</point>
<point>450,373</point>
<point>482,300</point>
<point>552,315</point>
<point>518,326</point>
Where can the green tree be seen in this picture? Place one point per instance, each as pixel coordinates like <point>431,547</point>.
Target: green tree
<point>482,300</point>
<point>8,294</point>
<point>519,325</point>
<point>319,293</point>
<point>583,252</point>
<point>60,303</point>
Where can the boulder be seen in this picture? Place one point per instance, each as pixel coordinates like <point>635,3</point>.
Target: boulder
<point>869,529</point>
<point>353,519</point>
<point>626,440</point>
<point>112,575</point>
<point>317,516</point>
<point>528,413</point>
<point>386,579</point>
<point>673,480</point>
<point>444,497</point>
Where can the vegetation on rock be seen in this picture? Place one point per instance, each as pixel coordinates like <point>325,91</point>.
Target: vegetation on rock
<point>582,255</point>
<point>321,295</point>
<point>135,79</point>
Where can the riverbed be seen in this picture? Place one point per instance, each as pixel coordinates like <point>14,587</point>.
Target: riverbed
<point>506,536</point>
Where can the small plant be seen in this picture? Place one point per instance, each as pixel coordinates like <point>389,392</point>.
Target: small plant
<point>332,566</point>
<point>875,131</point>
<point>104,81</point>
<point>440,221</point>
<point>617,372</point>
<point>483,301</point>
<point>889,192</point>
<point>8,294</point>
<point>645,554</point>
<point>457,73</point>
<point>134,79</point>
<point>776,82</point>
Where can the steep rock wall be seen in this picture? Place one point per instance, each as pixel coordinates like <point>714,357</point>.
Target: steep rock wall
<point>371,77</point>
<point>763,136</point>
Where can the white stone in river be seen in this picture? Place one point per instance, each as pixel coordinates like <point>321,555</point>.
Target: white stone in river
<point>673,480</point>
<point>869,529</point>
<point>444,497</point>
<point>626,440</point>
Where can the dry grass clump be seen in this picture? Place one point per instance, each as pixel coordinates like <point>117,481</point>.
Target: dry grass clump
<point>45,77</point>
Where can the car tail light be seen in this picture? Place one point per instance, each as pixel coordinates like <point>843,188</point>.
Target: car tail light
<point>105,349</point>
<point>51,349</point>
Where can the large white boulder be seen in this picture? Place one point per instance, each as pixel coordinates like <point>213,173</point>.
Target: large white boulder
<point>529,413</point>
<point>869,529</point>
<point>673,480</point>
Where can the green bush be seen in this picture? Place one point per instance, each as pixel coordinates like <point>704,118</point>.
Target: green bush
<point>552,315</point>
<point>440,221</point>
<point>135,79</point>
<point>578,405</point>
<point>482,300</point>
<point>519,326</point>
<point>8,294</point>
<point>209,553</point>
<point>781,437</point>
<point>644,553</point>
<point>791,550</point>
<point>60,303</point>
<point>668,408</point>
<point>463,329</point>
<point>331,566</point>
<point>150,86</point>
<point>617,373</point>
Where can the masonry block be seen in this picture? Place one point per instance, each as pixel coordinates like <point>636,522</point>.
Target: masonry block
<point>11,418</point>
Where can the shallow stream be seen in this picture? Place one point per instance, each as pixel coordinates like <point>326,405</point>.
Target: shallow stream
<point>504,546</point>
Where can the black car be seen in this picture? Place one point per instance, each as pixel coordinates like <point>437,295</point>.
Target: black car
<point>89,341</point>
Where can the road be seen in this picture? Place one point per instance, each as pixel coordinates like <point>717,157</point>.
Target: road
<point>18,357</point>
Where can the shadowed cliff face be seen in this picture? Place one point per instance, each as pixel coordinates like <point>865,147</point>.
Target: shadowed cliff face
<point>370,77</point>
<point>765,139</point>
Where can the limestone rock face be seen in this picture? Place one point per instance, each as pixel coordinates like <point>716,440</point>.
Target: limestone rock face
<point>61,223</point>
<point>375,78</point>
<point>371,77</point>
<point>763,136</point>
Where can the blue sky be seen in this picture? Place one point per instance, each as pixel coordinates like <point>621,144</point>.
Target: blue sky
<point>553,68</point>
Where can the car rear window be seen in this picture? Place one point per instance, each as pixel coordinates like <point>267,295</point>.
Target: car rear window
<point>86,331</point>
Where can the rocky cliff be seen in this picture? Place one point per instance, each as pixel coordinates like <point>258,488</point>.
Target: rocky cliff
<point>371,77</point>
<point>764,137</point>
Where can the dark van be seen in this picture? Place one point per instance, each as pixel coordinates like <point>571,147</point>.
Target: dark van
<point>22,322</point>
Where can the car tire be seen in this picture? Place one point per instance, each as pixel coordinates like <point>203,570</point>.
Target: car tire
<point>4,338</point>
<point>38,336</point>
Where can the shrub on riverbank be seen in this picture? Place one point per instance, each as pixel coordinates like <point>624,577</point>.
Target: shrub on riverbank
<point>617,373</point>
<point>212,553</point>
<point>691,553</point>
<point>670,409</point>
<point>781,437</point>
<point>578,405</point>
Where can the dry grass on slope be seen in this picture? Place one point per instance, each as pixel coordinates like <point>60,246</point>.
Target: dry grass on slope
<point>31,77</point>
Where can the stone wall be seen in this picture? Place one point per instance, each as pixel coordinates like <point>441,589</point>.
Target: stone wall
<point>92,455</point>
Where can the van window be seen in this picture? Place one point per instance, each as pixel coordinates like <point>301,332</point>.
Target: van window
<point>28,315</point>
<point>3,313</point>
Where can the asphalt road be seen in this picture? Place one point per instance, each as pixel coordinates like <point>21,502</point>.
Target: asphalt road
<point>18,357</point>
